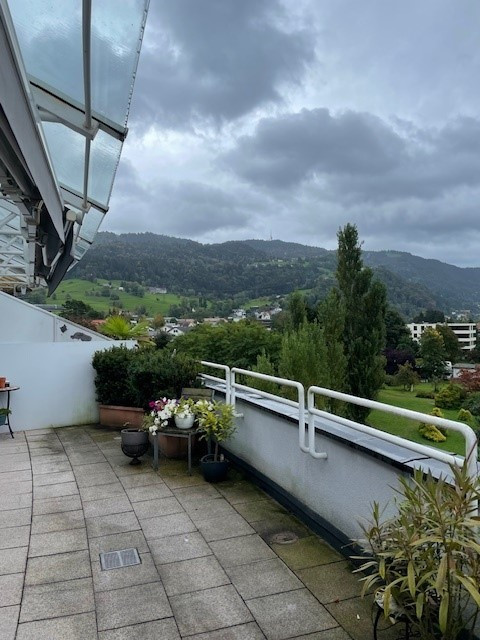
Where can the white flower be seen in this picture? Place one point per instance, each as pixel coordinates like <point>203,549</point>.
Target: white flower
<point>156,422</point>
<point>153,429</point>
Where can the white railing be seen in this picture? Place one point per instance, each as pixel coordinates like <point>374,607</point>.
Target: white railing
<point>226,380</point>
<point>307,445</point>
<point>431,452</point>
<point>299,405</point>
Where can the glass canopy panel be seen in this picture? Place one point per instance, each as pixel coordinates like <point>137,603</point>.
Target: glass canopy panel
<point>50,36</point>
<point>91,222</point>
<point>67,149</point>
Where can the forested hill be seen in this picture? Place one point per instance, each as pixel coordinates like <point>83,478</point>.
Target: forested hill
<point>261,268</point>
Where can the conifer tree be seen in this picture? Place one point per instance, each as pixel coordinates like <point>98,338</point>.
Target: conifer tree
<point>364,301</point>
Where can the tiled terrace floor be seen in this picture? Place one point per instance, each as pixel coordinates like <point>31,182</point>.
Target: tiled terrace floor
<point>209,570</point>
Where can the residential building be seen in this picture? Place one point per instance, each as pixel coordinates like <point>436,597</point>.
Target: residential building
<point>466,332</point>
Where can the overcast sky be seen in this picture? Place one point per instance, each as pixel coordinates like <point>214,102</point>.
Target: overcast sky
<point>289,118</point>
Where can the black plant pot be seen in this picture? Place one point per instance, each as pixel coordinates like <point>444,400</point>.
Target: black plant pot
<point>213,471</point>
<point>134,443</point>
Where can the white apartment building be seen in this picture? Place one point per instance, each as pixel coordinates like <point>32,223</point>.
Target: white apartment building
<point>466,332</point>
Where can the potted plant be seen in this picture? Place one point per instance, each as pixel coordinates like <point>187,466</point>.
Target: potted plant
<point>424,563</point>
<point>115,392</point>
<point>3,415</point>
<point>184,415</point>
<point>216,421</point>
<point>161,416</point>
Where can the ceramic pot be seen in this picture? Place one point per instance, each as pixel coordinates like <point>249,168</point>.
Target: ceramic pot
<point>184,423</point>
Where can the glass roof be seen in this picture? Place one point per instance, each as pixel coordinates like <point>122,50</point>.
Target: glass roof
<point>77,62</point>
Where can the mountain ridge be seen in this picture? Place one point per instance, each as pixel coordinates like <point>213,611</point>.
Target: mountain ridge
<point>271,267</point>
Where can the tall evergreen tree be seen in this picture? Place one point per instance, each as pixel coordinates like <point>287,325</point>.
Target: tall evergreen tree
<point>364,300</point>
<point>331,315</point>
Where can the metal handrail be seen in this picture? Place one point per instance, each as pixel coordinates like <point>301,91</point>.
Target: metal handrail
<point>465,430</point>
<point>300,404</point>
<point>222,367</point>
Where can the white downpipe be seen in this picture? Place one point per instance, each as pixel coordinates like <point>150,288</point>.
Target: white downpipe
<point>222,367</point>
<point>300,404</point>
<point>465,430</point>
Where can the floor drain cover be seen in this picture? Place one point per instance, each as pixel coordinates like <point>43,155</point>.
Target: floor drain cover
<point>284,537</point>
<point>119,559</point>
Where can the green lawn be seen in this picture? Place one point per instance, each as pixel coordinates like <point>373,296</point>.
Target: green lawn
<point>408,429</point>
<point>84,291</point>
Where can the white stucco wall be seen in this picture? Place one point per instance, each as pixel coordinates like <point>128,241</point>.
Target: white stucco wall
<point>56,383</point>
<point>340,489</point>
<point>23,322</point>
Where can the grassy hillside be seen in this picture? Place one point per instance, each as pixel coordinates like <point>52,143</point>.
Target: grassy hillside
<point>84,290</point>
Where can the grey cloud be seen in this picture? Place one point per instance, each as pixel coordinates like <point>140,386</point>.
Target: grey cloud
<point>216,60</point>
<point>184,208</point>
<point>358,155</point>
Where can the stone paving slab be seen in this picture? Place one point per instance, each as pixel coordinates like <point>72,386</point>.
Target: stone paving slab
<point>330,582</point>
<point>164,526</point>
<point>45,544</point>
<point>263,578</point>
<point>56,490</point>
<point>116,541</point>
<point>57,599</point>
<point>14,537</point>
<point>159,507</point>
<point>9,502</point>
<point>53,478</point>
<point>13,518</point>
<point>56,505</point>
<point>11,589</point>
<point>76,627</point>
<point>132,605</point>
<point>16,488</point>
<point>8,622</point>
<point>102,491</point>
<point>209,610</point>
<point>286,615</point>
<point>13,560</point>
<point>244,550</point>
<point>149,492</point>
<point>165,629</point>
<point>55,568</point>
<point>248,631</point>
<point>106,506</point>
<point>111,524</point>
<point>61,521</point>
<point>178,548</point>
<point>192,575</point>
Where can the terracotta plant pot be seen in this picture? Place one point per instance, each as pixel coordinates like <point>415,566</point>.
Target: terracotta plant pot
<point>2,383</point>
<point>117,417</point>
<point>172,447</point>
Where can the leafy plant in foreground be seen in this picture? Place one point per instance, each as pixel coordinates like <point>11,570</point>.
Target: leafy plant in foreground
<point>426,560</point>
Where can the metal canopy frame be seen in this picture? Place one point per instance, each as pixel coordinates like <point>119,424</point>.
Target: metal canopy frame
<point>41,217</point>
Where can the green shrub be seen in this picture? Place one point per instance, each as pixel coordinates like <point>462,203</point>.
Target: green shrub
<point>132,377</point>
<point>450,397</point>
<point>472,403</point>
<point>161,373</point>
<point>464,415</point>
<point>425,394</point>
<point>389,381</point>
<point>113,382</point>
<point>431,431</point>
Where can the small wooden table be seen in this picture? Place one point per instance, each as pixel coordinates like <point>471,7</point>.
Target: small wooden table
<point>177,433</point>
<point>7,390</point>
